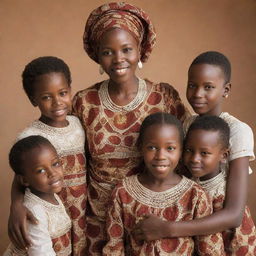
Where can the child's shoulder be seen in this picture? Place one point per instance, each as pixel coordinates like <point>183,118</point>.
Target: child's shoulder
<point>233,122</point>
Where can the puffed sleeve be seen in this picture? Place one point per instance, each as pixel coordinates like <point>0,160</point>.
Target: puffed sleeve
<point>241,141</point>
<point>39,234</point>
<point>207,244</point>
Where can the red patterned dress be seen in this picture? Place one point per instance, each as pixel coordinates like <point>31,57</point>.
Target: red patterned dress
<point>69,144</point>
<point>111,133</point>
<point>239,241</point>
<point>130,201</point>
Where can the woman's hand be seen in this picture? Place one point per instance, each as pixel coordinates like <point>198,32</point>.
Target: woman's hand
<point>150,228</point>
<point>17,225</point>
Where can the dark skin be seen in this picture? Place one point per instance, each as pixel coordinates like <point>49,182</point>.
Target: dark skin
<point>119,53</point>
<point>206,83</point>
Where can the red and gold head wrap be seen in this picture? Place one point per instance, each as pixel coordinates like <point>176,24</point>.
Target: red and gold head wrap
<point>119,15</point>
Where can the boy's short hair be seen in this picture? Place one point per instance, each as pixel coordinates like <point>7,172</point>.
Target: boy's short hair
<point>23,146</point>
<point>212,123</point>
<point>217,59</point>
<point>41,66</point>
<point>159,118</point>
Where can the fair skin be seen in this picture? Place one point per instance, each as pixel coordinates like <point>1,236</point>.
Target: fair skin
<point>161,150</point>
<point>205,92</point>
<point>52,95</point>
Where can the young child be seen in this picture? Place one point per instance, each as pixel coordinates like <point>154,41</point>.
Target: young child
<point>208,85</point>
<point>46,81</point>
<point>205,152</point>
<point>38,167</point>
<point>158,190</point>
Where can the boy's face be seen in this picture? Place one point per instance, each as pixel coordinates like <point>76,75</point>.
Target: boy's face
<point>53,97</point>
<point>206,89</point>
<point>42,171</point>
<point>203,153</point>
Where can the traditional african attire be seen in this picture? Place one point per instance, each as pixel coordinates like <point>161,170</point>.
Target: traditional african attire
<point>111,135</point>
<point>52,235</point>
<point>111,130</point>
<point>239,241</point>
<point>130,201</point>
<point>119,15</point>
<point>69,144</point>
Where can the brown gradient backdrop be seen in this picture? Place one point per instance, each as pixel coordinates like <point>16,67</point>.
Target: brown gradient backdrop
<point>32,28</point>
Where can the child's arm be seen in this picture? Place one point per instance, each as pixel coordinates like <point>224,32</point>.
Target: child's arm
<point>229,217</point>
<point>114,227</point>
<point>19,214</point>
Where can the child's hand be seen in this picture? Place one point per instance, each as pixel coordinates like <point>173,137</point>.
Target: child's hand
<point>150,228</point>
<point>17,225</point>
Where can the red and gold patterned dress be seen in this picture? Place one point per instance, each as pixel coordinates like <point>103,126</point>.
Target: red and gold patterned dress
<point>69,144</point>
<point>111,133</point>
<point>239,241</point>
<point>130,201</point>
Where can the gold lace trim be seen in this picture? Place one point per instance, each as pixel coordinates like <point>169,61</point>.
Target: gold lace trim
<point>156,199</point>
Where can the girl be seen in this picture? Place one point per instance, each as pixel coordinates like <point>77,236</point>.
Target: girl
<point>46,81</point>
<point>206,150</point>
<point>208,84</point>
<point>119,37</point>
<point>37,165</point>
<point>158,190</point>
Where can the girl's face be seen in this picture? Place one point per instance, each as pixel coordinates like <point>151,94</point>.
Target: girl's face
<point>203,153</point>
<point>161,150</point>
<point>206,89</point>
<point>119,54</point>
<point>42,171</point>
<point>53,97</point>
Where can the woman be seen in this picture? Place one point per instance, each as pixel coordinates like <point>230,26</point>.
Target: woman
<point>119,37</point>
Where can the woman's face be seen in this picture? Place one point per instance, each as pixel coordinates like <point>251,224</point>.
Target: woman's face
<point>119,54</point>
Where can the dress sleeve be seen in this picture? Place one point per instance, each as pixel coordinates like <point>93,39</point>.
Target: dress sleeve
<point>39,234</point>
<point>115,228</point>
<point>207,244</point>
<point>173,102</point>
<point>241,141</point>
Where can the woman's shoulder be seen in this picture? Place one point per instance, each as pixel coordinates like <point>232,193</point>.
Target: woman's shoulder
<point>163,87</point>
<point>93,88</point>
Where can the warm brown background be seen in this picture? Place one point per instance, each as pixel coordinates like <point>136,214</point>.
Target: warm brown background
<point>32,28</point>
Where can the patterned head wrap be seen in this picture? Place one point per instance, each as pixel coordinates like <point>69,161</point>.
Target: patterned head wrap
<point>119,15</point>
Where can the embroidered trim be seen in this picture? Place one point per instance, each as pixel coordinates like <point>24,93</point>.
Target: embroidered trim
<point>156,199</point>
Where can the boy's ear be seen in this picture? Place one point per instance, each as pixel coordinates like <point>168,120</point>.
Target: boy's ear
<point>22,180</point>
<point>227,89</point>
<point>224,156</point>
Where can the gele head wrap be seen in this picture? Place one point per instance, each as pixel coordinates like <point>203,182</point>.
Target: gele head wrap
<point>119,15</point>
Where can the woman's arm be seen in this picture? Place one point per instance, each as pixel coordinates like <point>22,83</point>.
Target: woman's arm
<point>229,217</point>
<point>19,214</point>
